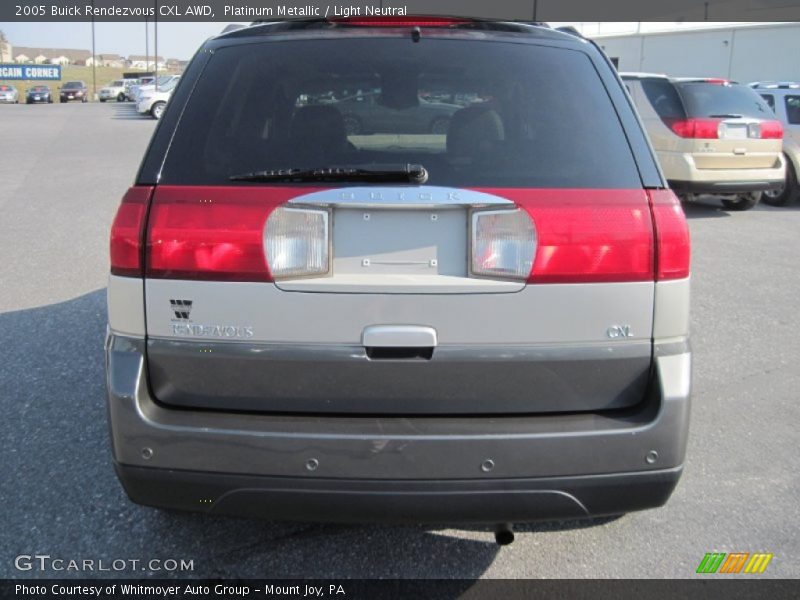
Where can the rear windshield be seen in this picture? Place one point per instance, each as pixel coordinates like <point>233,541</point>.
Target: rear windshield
<point>71,85</point>
<point>480,113</point>
<point>715,100</point>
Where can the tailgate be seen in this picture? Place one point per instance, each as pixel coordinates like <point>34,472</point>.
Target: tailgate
<point>734,149</point>
<point>399,324</point>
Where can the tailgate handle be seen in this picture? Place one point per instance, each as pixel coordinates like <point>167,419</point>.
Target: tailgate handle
<point>398,336</point>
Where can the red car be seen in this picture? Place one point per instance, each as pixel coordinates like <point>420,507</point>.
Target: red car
<point>74,90</point>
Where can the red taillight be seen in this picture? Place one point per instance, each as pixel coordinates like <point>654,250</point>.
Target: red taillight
<point>588,236</point>
<point>771,130</point>
<point>211,233</point>
<point>127,232</point>
<point>695,128</point>
<point>673,247</point>
<point>400,21</point>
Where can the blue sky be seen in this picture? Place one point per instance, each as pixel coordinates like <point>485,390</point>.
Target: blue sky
<point>175,40</point>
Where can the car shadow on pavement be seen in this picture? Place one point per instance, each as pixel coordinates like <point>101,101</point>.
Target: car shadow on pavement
<point>710,207</point>
<point>126,111</point>
<point>704,209</point>
<point>64,499</point>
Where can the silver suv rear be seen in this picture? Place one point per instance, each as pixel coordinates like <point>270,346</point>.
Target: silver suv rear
<point>784,99</point>
<point>487,322</point>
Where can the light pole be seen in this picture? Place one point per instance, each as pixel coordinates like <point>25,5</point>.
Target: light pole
<point>155,38</point>
<point>94,60</point>
<point>146,46</point>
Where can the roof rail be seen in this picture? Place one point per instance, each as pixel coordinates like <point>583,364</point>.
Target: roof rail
<point>232,27</point>
<point>570,30</point>
<point>638,75</point>
<point>775,85</point>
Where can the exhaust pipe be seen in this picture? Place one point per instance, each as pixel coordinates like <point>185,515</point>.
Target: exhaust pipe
<point>504,534</point>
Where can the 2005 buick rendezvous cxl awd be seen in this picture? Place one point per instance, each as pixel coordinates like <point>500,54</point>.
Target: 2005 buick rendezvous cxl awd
<point>483,322</point>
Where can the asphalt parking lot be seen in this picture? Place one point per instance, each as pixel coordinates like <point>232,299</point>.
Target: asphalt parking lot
<point>64,170</point>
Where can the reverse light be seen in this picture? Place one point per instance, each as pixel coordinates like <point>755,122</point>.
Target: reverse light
<point>503,243</point>
<point>588,235</point>
<point>297,242</point>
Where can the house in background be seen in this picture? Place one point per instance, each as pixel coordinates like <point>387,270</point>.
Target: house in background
<point>53,56</point>
<point>21,56</point>
<point>106,60</point>
<point>175,64</point>
<point>146,63</point>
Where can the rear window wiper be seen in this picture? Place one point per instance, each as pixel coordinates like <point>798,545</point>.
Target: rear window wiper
<point>375,174</point>
<point>726,116</point>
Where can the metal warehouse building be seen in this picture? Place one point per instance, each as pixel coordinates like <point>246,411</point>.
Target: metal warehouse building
<point>743,53</point>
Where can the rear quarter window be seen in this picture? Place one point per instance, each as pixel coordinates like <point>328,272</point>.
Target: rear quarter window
<point>474,113</point>
<point>664,98</point>
<point>793,109</point>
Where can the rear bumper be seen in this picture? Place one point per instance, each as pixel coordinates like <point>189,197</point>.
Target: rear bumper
<point>399,501</point>
<point>405,469</point>
<point>724,187</point>
<point>685,177</point>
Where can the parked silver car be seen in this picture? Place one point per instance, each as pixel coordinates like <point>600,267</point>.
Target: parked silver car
<point>132,88</point>
<point>163,83</point>
<point>9,94</point>
<point>784,99</point>
<point>488,324</point>
<point>115,90</point>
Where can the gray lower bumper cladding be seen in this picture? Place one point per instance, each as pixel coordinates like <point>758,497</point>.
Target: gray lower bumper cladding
<point>398,469</point>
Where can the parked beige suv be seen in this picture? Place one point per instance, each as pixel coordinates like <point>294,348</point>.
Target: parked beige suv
<point>712,136</point>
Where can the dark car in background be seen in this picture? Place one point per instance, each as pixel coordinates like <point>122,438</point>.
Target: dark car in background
<point>39,94</point>
<point>74,90</point>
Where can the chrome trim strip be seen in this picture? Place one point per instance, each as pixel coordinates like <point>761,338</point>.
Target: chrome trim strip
<point>406,197</point>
